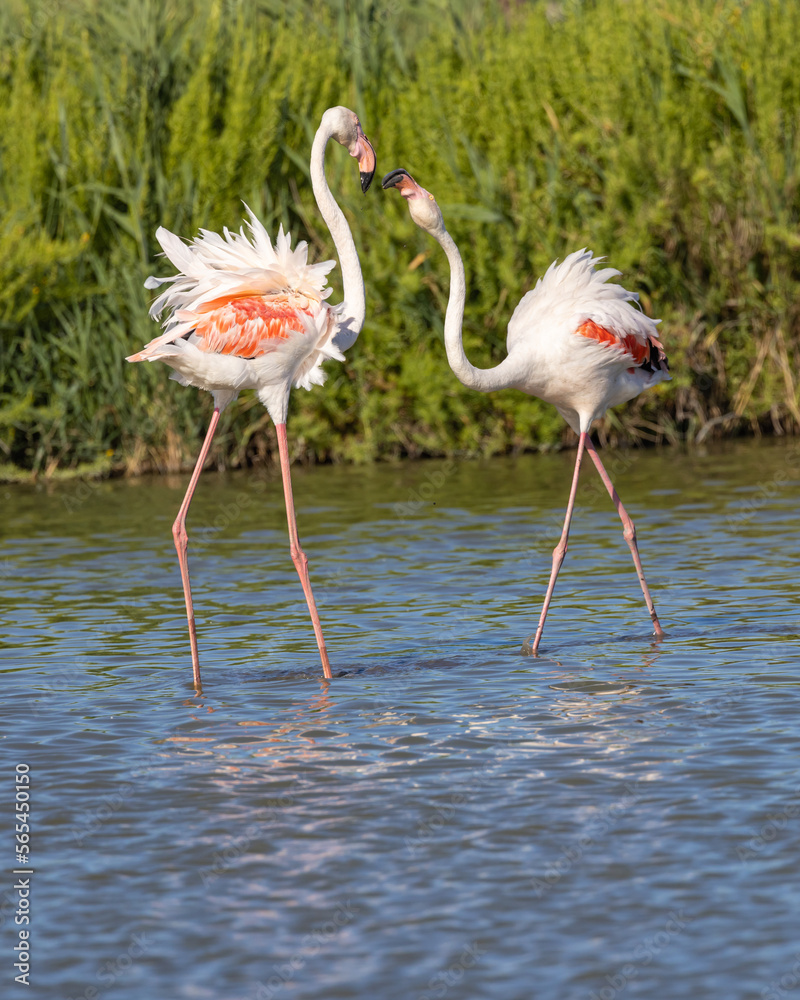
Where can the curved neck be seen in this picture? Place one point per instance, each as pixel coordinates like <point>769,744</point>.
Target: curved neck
<point>352,318</point>
<point>482,379</point>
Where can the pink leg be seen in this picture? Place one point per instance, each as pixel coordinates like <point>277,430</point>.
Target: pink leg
<point>182,543</point>
<point>560,550</point>
<point>629,532</point>
<point>299,557</point>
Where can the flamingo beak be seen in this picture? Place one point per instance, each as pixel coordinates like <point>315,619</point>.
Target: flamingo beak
<point>367,161</point>
<point>403,181</point>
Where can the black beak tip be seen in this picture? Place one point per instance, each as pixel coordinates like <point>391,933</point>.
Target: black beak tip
<point>366,180</point>
<point>393,177</point>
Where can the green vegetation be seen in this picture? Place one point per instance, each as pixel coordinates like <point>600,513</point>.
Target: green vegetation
<point>664,134</point>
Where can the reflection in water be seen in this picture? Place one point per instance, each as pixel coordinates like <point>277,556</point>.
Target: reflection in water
<point>444,814</point>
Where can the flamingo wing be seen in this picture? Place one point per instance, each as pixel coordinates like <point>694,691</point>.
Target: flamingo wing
<point>575,297</point>
<point>243,327</point>
<point>237,295</point>
<point>637,348</point>
<point>246,327</point>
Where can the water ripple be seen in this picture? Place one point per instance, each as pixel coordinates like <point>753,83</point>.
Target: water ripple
<point>445,817</point>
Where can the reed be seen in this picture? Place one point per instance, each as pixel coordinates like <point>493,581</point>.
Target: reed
<point>665,135</point>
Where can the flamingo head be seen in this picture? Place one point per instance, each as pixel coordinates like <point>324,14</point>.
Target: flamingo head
<point>421,203</point>
<point>343,126</point>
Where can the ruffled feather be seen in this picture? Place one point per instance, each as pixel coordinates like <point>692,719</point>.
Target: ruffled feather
<point>222,349</point>
<point>572,292</point>
<point>213,267</point>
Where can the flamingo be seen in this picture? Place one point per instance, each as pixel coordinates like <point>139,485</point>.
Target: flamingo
<point>574,341</point>
<point>244,314</point>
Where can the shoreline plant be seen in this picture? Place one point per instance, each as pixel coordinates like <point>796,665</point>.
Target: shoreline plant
<point>664,135</point>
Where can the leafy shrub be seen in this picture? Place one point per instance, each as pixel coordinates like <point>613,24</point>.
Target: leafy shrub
<point>665,135</point>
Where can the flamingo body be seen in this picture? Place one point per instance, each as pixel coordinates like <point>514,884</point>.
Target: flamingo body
<point>578,343</point>
<point>575,340</point>
<point>242,313</point>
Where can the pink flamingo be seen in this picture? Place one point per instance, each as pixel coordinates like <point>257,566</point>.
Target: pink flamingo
<point>247,315</point>
<point>574,341</point>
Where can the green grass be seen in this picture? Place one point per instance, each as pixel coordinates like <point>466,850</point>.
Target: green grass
<point>665,135</point>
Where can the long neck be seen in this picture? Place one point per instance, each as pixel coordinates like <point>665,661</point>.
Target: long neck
<point>482,379</point>
<point>352,319</point>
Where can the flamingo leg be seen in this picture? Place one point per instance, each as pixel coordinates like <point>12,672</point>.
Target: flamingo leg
<point>561,549</point>
<point>299,557</point>
<point>629,532</point>
<point>182,542</point>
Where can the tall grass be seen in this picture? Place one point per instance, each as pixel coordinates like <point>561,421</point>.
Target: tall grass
<point>666,135</point>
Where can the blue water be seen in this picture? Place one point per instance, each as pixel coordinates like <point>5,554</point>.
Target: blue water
<point>446,817</point>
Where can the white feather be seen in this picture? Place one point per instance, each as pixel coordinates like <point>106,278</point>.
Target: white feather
<point>214,266</point>
<point>573,291</point>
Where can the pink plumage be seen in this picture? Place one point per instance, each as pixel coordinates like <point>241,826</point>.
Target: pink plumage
<point>242,314</point>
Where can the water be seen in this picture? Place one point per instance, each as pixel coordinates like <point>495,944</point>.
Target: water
<point>446,818</point>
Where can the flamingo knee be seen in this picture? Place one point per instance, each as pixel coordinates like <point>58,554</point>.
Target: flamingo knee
<point>180,535</point>
<point>299,558</point>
